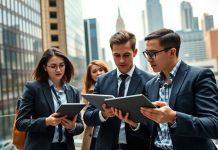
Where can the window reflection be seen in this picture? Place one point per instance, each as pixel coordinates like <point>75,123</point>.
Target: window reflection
<point>20,48</point>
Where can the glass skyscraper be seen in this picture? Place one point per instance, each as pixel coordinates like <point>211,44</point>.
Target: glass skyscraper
<point>20,49</point>
<point>153,16</point>
<point>187,18</point>
<point>91,39</point>
<point>192,46</point>
<point>75,38</point>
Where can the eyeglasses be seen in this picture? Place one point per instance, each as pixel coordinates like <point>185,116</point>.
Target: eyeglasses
<point>153,53</point>
<point>55,67</point>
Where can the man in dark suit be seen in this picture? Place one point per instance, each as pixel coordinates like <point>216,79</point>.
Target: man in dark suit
<point>127,79</point>
<point>186,117</point>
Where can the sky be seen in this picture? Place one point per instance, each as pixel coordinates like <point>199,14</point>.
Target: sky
<point>106,12</point>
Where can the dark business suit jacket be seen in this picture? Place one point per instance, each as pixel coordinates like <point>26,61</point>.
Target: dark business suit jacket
<point>194,97</point>
<point>37,104</point>
<point>109,130</point>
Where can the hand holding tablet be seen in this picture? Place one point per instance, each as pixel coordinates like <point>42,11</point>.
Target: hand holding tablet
<point>130,104</point>
<point>70,109</point>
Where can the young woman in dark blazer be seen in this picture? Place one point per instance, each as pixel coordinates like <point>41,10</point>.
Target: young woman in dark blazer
<point>42,97</point>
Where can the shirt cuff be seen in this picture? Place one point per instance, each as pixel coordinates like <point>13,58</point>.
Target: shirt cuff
<point>101,117</point>
<point>173,125</point>
<point>137,128</point>
<point>71,130</point>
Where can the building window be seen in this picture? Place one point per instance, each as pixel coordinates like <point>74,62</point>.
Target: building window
<point>53,14</point>
<point>54,37</point>
<point>53,26</point>
<point>52,3</point>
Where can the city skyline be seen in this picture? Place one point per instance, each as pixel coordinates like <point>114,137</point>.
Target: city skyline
<point>131,14</point>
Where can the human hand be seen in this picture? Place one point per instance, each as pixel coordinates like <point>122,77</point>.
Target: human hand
<point>69,124</point>
<point>124,118</point>
<point>162,114</point>
<point>107,111</point>
<point>54,119</point>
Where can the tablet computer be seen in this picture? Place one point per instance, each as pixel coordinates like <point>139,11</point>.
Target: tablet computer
<point>97,99</point>
<point>70,109</point>
<point>131,104</point>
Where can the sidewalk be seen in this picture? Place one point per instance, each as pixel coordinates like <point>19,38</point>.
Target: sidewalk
<point>78,141</point>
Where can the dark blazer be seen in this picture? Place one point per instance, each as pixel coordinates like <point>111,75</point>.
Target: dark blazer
<point>109,130</point>
<point>194,97</point>
<point>37,104</point>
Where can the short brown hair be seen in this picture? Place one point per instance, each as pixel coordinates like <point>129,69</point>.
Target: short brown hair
<point>40,74</point>
<point>123,37</point>
<point>88,81</point>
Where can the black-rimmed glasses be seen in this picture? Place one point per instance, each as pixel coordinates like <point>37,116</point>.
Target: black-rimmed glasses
<point>153,53</point>
<point>55,67</point>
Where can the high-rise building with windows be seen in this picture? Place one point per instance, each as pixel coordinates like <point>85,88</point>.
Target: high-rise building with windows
<point>153,16</point>
<point>186,16</point>
<point>120,25</point>
<point>207,22</point>
<point>91,40</point>
<point>20,49</point>
<point>63,28</point>
<point>192,45</point>
<point>143,63</point>
<point>196,24</point>
<point>211,43</point>
<point>53,24</point>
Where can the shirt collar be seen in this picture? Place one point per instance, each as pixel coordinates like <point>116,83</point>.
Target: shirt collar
<point>172,73</point>
<point>129,73</point>
<point>52,84</point>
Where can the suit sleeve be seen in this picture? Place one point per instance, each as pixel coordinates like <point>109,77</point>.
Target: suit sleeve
<point>91,115</point>
<point>24,121</point>
<point>79,124</point>
<point>205,122</point>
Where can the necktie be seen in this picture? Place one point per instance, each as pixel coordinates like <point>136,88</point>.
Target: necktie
<point>120,94</point>
<point>122,85</point>
<point>60,134</point>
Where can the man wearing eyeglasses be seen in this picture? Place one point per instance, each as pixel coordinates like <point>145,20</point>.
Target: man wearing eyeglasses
<point>186,98</point>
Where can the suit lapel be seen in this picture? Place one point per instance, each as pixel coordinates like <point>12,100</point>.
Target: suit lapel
<point>177,83</point>
<point>69,94</point>
<point>48,96</point>
<point>113,84</point>
<point>135,80</point>
<point>154,90</point>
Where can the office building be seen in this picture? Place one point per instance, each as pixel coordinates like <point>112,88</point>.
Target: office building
<point>211,37</point>
<point>63,28</point>
<point>192,45</point>
<point>91,40</point>
<point>196,24</point>
<point>20,50</point>
<point>153,16</point>
<point>120,25</point>
<point>186,16</point>
<point>207,22</point>
<point>143,23</point>
<point>143,63</point>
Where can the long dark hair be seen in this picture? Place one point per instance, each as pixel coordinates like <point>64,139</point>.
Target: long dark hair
<point>39,72</point>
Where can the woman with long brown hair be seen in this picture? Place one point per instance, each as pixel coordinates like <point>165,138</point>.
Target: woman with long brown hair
<point>94,69</point>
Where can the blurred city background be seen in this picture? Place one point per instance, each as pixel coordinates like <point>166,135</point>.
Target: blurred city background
<point>82,28</point>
